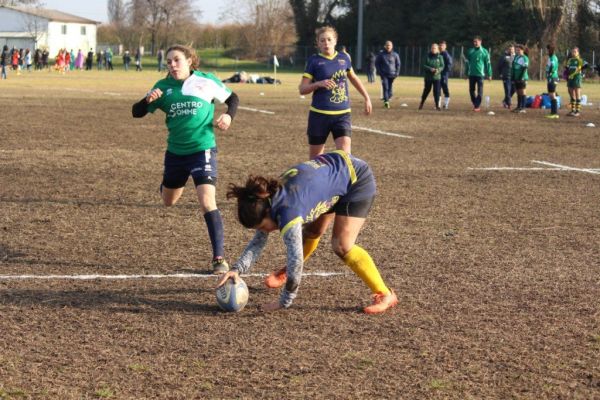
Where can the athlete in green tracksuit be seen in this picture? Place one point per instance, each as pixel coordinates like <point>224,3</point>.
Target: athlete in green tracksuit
<point>478,67</point>
<point>552,79</point>
<point>433,67</point>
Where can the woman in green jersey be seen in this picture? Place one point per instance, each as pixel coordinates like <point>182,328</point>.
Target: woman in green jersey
<point>574,68</point>
<point>187,97</point>
<point>433,66</point>
<point>552,80</point>
<point>520,76</point>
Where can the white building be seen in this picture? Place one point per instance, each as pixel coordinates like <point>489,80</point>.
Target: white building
<point>35,27</point>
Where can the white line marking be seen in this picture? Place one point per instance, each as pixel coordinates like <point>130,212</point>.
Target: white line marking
<point>256,110</point>
<point>362,128</point>
<point>515,169</point>
<point>148,276</point>
<point>567,168</point>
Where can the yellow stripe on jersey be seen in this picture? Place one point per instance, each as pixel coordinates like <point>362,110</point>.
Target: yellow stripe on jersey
<point>290,224</point>
<point>307,75</point>
<point>329,57</point>
<point>348,163</point>
<point>330,112</point>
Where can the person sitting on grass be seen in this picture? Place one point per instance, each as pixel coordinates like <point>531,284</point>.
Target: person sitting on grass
<point>301,204</point>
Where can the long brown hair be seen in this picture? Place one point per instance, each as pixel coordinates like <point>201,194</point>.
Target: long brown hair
<point>189,53</point>
<point>254,198</point>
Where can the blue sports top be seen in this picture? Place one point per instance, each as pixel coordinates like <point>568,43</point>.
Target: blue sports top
<point>312,188</point>
<point>336,67</point>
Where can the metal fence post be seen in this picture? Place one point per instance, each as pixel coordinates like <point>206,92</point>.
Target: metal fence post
<point>462,60</point>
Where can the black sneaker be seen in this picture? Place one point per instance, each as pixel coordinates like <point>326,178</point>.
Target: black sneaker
<point>219,266</point>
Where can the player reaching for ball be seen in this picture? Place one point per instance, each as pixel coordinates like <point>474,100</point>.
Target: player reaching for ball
<point>301,204</point>
<point>187,97</point>
<point>326,76</point>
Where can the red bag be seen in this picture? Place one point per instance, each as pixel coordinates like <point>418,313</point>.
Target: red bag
<point>537,102</point>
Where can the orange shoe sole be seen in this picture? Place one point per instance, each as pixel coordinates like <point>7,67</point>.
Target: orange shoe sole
<point>276,279</point>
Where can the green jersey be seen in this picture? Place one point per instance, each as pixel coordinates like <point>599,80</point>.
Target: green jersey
<point>574,66</point>
<point>478,62</point>
<point>433,66</point>
<point>519,68</point>
<point>189,108</point>
<point>552,68</point>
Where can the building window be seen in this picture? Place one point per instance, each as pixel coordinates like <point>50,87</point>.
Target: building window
<point>83,31</point>
<point>63,29</point>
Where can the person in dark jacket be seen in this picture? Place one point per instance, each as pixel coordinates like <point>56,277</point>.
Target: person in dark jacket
<point>370,66</point>
<point>504,69</point>
<point>433,67</point>
<point>445,73</point>
<point>89,61</point>
<point>387,64</point>
<point>4,61</point>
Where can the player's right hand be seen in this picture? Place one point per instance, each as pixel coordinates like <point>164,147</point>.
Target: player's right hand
<point>228,275</point>
<point>326,84</point>
<point>153,95</point>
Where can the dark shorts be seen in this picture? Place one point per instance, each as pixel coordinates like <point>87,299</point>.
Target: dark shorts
<point>520,85</point>
<point>202,166</point>
<point>551,86</point>
<point>574,83</point>
<point>359,199</point>
<point>320,125</point>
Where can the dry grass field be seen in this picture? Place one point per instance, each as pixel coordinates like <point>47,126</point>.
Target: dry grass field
<point>497,270</point>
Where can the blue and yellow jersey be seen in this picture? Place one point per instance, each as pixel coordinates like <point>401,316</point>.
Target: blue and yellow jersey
<point>312,188</point>
<point>336,68</point>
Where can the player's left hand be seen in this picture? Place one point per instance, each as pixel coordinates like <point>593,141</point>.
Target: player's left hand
<point>368,107</point>
<point>270,307</point>
<point>223,122</point>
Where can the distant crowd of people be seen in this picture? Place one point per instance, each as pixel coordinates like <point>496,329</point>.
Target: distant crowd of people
<point>512,67</point>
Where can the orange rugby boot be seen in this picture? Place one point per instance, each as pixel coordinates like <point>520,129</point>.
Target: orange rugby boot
<point>276,279</point>
<point>381,303</point>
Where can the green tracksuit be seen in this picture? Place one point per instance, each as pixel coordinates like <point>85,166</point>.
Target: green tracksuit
<point>478,62</point>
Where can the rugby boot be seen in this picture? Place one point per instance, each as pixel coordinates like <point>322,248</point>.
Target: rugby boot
<point>381,302</point>
<point>219,266</point>
<point>276,279</point>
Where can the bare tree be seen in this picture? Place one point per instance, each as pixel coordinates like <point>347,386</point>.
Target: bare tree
<point>35,26</point>
<point>310,14</point>
<point>17,3</point>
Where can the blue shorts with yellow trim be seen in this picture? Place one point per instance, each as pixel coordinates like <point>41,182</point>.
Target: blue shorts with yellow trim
<point>320,125</point>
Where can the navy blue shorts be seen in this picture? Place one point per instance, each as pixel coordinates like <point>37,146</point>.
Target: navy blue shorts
<point>202,166</point>
<point>359,199</point>
<point>551,86</point>
<point>320,125</point>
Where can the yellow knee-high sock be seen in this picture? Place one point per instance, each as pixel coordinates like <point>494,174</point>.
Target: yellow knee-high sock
<point>362,264</point>
<point>309,246</point>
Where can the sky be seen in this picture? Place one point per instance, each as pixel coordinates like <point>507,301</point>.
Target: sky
<point>96,9</point>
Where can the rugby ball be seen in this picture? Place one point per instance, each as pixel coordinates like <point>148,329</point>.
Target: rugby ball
<point>231,296</point>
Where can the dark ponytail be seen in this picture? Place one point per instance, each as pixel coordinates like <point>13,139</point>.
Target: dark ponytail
<point>254,199</point>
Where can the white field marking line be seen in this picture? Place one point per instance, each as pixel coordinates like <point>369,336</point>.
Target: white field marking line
<point>362,128</point>
<point>256,110</point>
<point>515,169</point>
<point>146,276</point>
<point>567,168</point>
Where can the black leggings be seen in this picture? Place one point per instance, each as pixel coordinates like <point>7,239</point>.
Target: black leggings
<point>437,85</point>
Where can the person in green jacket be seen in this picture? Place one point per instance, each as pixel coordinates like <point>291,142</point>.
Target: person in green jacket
<point>552,80</point>
<point>520,76</point>
<point>433,66</point>
<point>574,67</point>
<point>478,67</point>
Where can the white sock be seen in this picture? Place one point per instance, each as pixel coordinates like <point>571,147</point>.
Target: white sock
<point>446,101</point>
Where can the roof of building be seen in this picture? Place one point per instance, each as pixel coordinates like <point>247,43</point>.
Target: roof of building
<point>52,15</point>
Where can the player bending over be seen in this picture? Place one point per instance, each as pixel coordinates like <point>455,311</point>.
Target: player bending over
<point>332,187</point>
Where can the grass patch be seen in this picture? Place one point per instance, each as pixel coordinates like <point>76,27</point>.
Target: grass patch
<point>104,392</point>
<point>358,360</point>
<point>438,384</point>
<point>138,367</point>
<point>12,393</point>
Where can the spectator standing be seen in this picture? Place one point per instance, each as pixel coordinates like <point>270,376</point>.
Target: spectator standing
<point>108,56</point>
<point>4,57</point>
<point>387,64</point>
<point>89,60</point>
<point>37,59</point>
<point>504,69</point>
<point>15,59</point>
<point>552,80</point>
<point>520,76</point>
<point>126,60</point>
<point>79,60</point>
<point>574,69</point>
<point>445,73</point>
<point>478,67</point>
<point>45,57</point>
<point>370,66</point>
<point>160,56</point>
<point>138,60</point>
<point>28,60</point>
<point>433,67</point>
<point>72,60</point>
<point>99,59</point>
